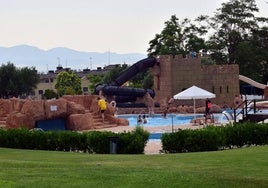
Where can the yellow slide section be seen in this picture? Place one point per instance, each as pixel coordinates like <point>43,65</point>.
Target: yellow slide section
<point>252,82</point>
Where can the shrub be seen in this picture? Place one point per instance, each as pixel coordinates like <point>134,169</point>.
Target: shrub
<point>187,140</point>
<point>93,142</point>
<point>175,142</point>
<point>128,142</point>
<point>215,138</point>
<point>98,142</point>
<point>133,142</point>
<point>3,137</point>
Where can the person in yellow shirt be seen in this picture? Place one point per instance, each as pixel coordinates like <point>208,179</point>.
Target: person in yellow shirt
<point>102,107</point>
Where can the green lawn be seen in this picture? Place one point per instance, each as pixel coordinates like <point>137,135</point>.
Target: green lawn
<point>247,167</point>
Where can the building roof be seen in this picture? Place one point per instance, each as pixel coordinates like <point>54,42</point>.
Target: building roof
<point>83,73</point>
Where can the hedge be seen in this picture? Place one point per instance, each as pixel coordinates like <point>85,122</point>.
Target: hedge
<point>90,142</point>
<point>214,138</point>
<point>211,138</point>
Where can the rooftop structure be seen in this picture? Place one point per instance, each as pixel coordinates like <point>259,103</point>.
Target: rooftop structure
<point>48,80</point>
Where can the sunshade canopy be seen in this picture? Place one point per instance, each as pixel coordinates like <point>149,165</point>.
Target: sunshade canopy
<point>194,92</point>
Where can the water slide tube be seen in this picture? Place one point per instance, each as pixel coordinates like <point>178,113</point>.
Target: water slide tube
<point>133,70</point>
<point>125,91</point>
<point>114,88</point>
<point>252,82</point>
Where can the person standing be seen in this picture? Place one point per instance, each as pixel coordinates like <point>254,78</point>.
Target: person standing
<point>102,107</point>
<point>236,101</point>
<point>208,106</point>
<point>139,120</point>
<point>144,119</point>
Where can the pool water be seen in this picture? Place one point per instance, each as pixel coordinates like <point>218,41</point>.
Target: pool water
<point>155,136</point>
<point>171,119</point>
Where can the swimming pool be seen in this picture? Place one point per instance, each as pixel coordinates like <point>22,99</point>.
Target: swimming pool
<point>171,119</point>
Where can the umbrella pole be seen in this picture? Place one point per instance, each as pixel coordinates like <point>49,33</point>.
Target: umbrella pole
<point>172,122</point>
<point>194,112</point>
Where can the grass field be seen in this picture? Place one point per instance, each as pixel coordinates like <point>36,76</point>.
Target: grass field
<point>246,167</point>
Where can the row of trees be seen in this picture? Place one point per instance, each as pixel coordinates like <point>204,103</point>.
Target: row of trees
<point>233,35</point>
<point>20,82</point>
<point>16,82</point>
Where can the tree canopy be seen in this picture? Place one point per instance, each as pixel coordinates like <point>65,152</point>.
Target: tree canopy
<point>68,83</point>
<point>94,80</point>
<point>177,38</point>
<point>233,35</point>
<point>17,81</point>
<point>114,73</point>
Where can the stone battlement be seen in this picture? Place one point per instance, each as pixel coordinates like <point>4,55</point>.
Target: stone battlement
<point>178,73</point>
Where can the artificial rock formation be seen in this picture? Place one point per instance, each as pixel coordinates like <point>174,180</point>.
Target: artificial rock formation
<point>266,93</point>
<point>80,112</point>
<point>80,122</point>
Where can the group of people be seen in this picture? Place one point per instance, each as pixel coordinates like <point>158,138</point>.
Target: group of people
<point>141,119</point>
<point>102,104</point>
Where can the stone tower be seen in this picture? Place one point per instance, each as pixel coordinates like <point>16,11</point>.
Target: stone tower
<point>175,74</point>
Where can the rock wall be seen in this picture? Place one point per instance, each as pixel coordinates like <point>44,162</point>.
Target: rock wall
<point>266,93</point>
<point>80,112</point>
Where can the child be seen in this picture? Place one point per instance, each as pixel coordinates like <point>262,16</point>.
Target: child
<point>139,120</point>
<point>144,119</point>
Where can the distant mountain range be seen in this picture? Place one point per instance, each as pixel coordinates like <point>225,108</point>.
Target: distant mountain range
<point>44,60</point>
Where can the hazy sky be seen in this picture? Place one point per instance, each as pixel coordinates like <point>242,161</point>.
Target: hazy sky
<point>121,26</point>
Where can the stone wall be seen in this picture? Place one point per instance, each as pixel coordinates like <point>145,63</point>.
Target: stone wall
<point>178,73</point>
